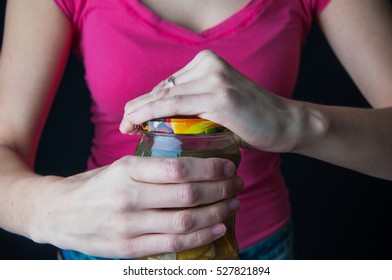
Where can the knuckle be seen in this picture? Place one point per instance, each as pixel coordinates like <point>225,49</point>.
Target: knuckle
<point>228,94</point>
<point>184,221</point>
<point>189,195</point>
<point>205,53</point>
<point>199,239</point>
<point>208,54</point>
<point>219,214</point>
<point>117,164</point>
<point>125,199</point>
<point>211,59</point>
<point>212,168</point>
<point>228,97</point>
<point>230,187</point>
<point>121,195</point>
<point>225,190</point>
<point>125,247</point>
<point>172,244</point>
<point>121,163</point>
<point>121,169</point>
<point>218,78</point>
<point>174,168</point>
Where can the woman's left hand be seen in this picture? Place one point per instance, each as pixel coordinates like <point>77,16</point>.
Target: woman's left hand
<point>210,88</point>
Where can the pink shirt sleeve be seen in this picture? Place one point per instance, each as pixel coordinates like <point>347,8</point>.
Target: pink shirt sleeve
<point>73,10</point>
<point>319,5</point>
<point>313,8</point>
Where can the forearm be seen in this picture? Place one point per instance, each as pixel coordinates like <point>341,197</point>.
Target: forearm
<point>37,39</point>
<point>358,139</point>
<point>21,193</point>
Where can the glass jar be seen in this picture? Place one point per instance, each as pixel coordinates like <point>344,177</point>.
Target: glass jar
<point>192,137</point>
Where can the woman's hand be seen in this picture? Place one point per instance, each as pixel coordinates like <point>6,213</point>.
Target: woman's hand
<point>212,89</point>
<point>358,139</point>
<point>130,208</point>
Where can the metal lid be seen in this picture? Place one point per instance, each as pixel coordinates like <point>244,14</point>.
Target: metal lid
<point>182,125</point>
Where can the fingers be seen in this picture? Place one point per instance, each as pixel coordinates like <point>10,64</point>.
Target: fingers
<point>187,194</point>
<point>185,220</point>
<point>176,170</point>
<point>151,183</point>
<point>130,208</point>
<point>193,79</point>
<point>182,95</point>
<point>148,244</point>
<point>166,243</point>
<point>170,106</point>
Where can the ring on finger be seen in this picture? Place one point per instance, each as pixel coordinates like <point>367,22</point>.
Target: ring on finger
<point>170,82</point>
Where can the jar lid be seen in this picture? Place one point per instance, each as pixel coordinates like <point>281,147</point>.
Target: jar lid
<point>182,125</point>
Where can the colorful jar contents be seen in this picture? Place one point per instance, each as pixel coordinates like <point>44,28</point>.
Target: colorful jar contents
<point>182,125</point>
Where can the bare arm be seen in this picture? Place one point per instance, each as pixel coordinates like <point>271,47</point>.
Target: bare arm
<point>36,45</point>
<point>360,33</point>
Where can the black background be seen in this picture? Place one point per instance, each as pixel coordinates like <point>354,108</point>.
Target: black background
<point>337,213</point>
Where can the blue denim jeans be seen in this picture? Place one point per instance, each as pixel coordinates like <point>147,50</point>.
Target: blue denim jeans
<point>277,246</point>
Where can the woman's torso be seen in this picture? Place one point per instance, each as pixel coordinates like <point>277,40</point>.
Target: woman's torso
<point>195,15</point>
<point>127,48</point>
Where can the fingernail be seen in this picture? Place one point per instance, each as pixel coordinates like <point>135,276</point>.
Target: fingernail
<point>123,125</point>
<point>229,168</point>
<point>234,204</point>
<point>219,229</point>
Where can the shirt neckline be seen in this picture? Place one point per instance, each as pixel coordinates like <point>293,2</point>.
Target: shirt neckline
<point>227,27</point>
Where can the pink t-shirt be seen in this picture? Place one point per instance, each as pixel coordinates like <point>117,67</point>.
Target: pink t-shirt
<point>127,49</point>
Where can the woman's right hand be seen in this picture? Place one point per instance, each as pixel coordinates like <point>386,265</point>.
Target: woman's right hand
<point>129,209</point>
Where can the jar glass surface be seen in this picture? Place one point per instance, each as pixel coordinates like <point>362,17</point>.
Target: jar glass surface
<point>219,144</point>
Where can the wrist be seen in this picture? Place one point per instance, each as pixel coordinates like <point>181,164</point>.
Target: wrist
<point>312,125</point>
<point>42,193</point>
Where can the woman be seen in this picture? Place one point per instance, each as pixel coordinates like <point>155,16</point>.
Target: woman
<point>241,60</point>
